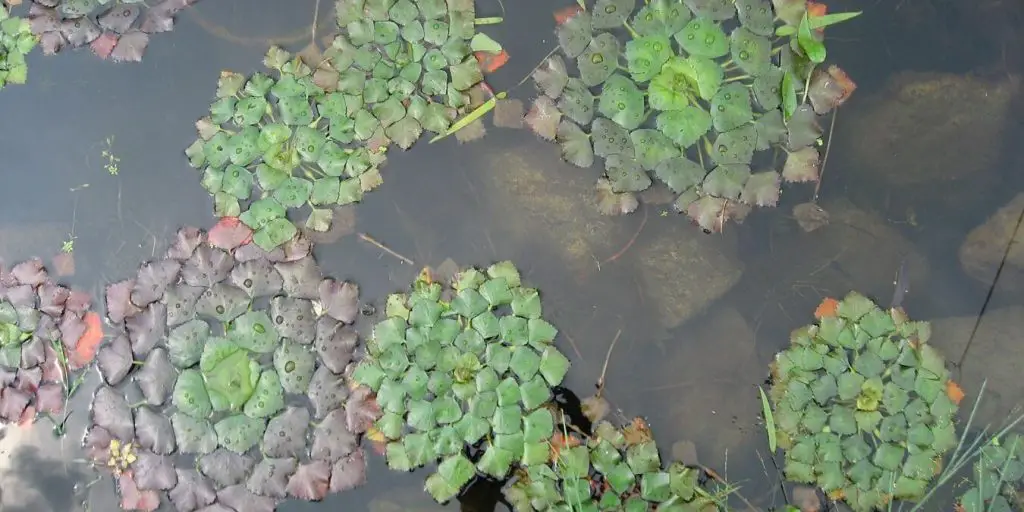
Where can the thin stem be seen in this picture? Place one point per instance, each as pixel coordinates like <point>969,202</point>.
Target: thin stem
<point>807,84</point>
<point>375,243</point>
<point>607,357</point>
<point>535,68</point>
<point>630,29</point>
<point>735,78</point>
<point>824,159</point>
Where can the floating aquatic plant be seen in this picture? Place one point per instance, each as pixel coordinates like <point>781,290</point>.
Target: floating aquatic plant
<point>997,477</point>
<point>47,333</point>
<point>16,40</point>
<point>238,355</point>
<point>470,362</point>
<point>692,96</point>
<point>316,133</point>
<point>610,469</point>
<point>862,406</point>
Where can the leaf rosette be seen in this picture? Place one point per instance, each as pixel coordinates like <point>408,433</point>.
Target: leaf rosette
<point>861,406</point>
<point>243,359</point>
<point>610,469</point>
<point>704,75</point>
<point>16,40</point>
<point>470,362</point>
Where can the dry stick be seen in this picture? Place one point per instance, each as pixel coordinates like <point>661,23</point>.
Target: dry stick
<point>628,244</point>
<point>824,159</point>
<point>604,369</point>
<point>375,243</point>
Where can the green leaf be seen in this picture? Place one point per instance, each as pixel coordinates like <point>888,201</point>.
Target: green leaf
<point>622,102</point>
<point>703,37</point>
<point>293,192</point>
<point>535,392</point>
<point>274,234</point>
<point>756,16</point>
<point>646,55</point>
<point>669,90</point>
<point>268,397</point>
<point>684,126</point>
<point>295,363</point>
<point>190,396</point>
<point>735,146</point>
<point>575,144</point>
<point>575,34</point>
<point>239,433</point>
<point>813,48</point>
<point>495,462</point>
<point>598,60</point>
<point>730,107</point>
<point>236,182</point>
<point>751,52</point>
<point>466,74</point>
<point>642,457</point>
<point>625,174</point>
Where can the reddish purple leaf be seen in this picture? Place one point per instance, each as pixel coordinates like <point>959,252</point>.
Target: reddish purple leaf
<point>12,404</point>
<point>30,272</point>
<point>115,360</point>
<point>153,431</point>
<point>310,481</point>
<point>270,477</point>
<point>154,471</point>
<point>543,118</point>
<point>52,42</point>
<point>331,438</point>
<point>72,327</point>
<point>157,376</point>
<point>28,380</point>
<point>97,444</point>
<point>829,89</point>
<point>110,410</point>
<point>295,249</point>
<point>147,328</point>
<point>225,467</point>
<point>119,304</point>
<point>193,490</point>
<point>327,391</point>
<point>180,300</point>
<point>52,298</point>
<point>761,189</point>
<point>301,278</point>
<point>186,240</point>
<point>130,47</point>
<point>33,353</point>
<point>103,45</point>
<point>239,498</point>
<point>340,300</point>
<point>80,31</point>
<point>361,410</point>
<point>229,233</point>
<point>42,19</point>
<point>119,18</point>
<point>251,251</point>
<point>50,398</point>
<point>349,472</point>
<point>78,302</point>
<point>22,296</point>
<point>152,279</point>
<point>801,166</point>
<point>134,499</point>
<point>257,277</point>
<point>207,266</point>
<point>335,342</point>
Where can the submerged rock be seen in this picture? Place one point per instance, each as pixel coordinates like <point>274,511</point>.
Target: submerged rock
<point>929,127</point>
<point>681,270</point>
<point>994,355</point>
<point>986,245</point>
<point>708,383</point>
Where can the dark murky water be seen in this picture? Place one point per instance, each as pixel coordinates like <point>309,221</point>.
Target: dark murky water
<point>696,381</point>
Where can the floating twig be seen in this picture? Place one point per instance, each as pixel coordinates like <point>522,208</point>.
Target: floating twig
<point>824,159</point>
<point>629,243</point>
<point>607,357</point>
<point>375,243</point>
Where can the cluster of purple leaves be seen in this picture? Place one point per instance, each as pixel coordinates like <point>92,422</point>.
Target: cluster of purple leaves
<point>168,292</point>
<point>119,31</point>
<point>53,314</point>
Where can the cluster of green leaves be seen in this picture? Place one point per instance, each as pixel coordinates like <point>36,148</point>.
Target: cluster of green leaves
<point>613,469</point>
<point>16,40</point>
<point>412,56</point>
<point>287,136</point>
<point>466,365</point>
<point>997,478</point>
<point>691,97</point>
<point>860,405</point>
<point>221,379</point>
<point>12,335</point>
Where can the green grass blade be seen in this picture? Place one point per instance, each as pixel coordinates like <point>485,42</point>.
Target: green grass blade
<point>769,420</point>
<point>470,117</point>
<point>492,20</point>
<point>817,22</point>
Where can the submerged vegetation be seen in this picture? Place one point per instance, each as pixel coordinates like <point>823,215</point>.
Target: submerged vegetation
<point>692,96</point>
